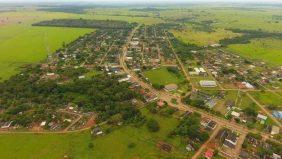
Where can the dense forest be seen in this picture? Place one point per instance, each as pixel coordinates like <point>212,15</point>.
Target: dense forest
<point>84,23</point>
<point>248,35</point>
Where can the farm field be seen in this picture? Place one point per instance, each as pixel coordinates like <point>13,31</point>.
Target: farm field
<point>268,50</point>
<point>55,146</point>
<point>31,44</point>
<point>162,76</point>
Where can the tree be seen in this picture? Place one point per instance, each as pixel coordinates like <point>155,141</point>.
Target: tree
<point>251,111</point>
<point>153,125</point>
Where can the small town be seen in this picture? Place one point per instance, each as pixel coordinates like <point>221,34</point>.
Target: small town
<point>141,83</point>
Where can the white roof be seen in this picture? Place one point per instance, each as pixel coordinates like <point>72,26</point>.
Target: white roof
<point>233,113</point>
<point>43,123</point>
<point>275,130</point>
<point>207,83</point>
<point>202,69</point>
<point>260,116</point>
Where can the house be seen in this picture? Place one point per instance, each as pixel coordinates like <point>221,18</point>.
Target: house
<point>244,155</point>
<point>207,83</point>
<point>160,103</point>
<point>209,154</point>
<point>171,87</point>
<point>6,125</point>
<point>43,123</point>
<point>275,130</point>
<point>262,118</point>
<point>230,140</point>
<point>127,78</point>
<point>229,104</point>
<point>150,97</point>
<point>190,148</point>
<point>276,156</point>
<point>235,114</point>
<point>277,114</point>
<point>211,125</point>
<point>211,103</point>
<point>81,77</point>
<point>97,131</point>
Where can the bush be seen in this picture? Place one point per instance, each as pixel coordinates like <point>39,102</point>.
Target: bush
<point>153,125</point>
<point>131,145</point>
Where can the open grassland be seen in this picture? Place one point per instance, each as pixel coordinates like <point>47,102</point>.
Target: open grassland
<point>268,98</point>
<point>268,50</point>
<point>162,76</point>
<point>203,38</point>
<point>112,145</point>
<point>22,45</point>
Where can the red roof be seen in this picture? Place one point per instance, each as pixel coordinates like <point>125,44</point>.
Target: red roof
<point>209,154</point>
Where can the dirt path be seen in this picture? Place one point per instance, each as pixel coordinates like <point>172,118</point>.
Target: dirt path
<point>264,110</point>
<point>204,146</point>
<point>180,63</point>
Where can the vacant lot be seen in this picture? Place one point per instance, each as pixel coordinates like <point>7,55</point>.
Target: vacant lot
<point>268,98</point>
<point>162,76</point>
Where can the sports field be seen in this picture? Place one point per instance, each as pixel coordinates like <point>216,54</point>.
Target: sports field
<point>162,76</point>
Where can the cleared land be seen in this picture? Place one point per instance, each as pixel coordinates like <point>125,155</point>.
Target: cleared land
<point>203,38</point>
<point>31,44</point>
<point>268,50</point>
<point>162,76</point>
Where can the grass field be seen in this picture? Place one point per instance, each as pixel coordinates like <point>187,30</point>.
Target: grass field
<point>268,98</point>
<point>162,76</point>
<point>203,38</point>
<point>268,50</point>
<point>31,44</point>
<point>113,145</point>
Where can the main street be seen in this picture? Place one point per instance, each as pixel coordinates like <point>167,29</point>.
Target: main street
<point>165,96</point>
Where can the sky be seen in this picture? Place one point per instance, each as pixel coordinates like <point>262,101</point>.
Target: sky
<point>139,1</point>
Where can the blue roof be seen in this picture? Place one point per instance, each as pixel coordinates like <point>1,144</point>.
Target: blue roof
<point>277,114</point>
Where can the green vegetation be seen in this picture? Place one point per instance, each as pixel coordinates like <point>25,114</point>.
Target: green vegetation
<point>31,45</point>
<point>268,50</point>
<point>268,98</point>
<point>203,38</point>
<point>76,145</point>
<point>162,76</point>
<point>85,23</point>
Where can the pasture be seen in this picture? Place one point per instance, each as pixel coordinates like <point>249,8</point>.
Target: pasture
<point>268,50</point>
<point>24,45</point>
<point>203,38</point>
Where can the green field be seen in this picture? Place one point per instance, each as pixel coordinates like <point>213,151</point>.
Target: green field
<point>268,50</point>
<point>203,38</point>
<point>162,76</point>
<point>113,145</point>
<point>31,44</point>
<point>268,98</point>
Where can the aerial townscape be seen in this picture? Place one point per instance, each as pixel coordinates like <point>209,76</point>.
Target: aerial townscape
<point>156,79</point>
